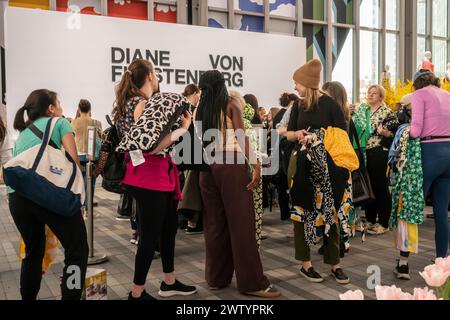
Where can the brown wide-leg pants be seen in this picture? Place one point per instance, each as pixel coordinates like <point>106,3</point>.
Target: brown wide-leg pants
<point>229,229</point>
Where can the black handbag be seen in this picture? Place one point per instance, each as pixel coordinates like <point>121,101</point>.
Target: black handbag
<point>114,167</point>
<point>362,189</point>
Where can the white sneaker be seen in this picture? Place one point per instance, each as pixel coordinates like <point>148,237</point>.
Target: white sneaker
<point>372,228</point>
<point>382,230</point>
<point>378,230</point>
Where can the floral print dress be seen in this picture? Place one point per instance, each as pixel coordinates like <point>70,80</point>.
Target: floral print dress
<point>249,113</point>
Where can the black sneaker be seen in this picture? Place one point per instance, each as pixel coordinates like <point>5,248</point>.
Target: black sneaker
<point>192,231</point>
<point>144,296</point>
<point>402,271</point>
<point>311,275</point>
<point>340,276</point>
<point>177,288</point>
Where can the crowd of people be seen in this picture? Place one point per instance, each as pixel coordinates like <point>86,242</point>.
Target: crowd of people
<point>326,147</point>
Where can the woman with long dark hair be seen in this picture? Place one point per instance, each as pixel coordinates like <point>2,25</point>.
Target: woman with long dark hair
<point>227,192</point>
<point>131,94</point>
<point>30,218</point>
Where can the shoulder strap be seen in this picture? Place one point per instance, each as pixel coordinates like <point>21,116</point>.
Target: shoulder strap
<point>45,141</point>
<point>354,137</point>
<point>38,133</point>
<point>108,119</point>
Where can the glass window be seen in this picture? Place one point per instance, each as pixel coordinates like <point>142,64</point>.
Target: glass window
<point>392,46</point>
<point>421,48</point>
<point>249,23</point>
<point>370,13</point>
<point>440,57</point>
<point>129,9</point>
<point>248,5</point>
<point>343,59</point>
<point>342,11</point>
<point>421,16</point>
<point>315,41</point>
<point>165,13</point>
<point>314,9</point>
<point>32,4</point>
<point>369,61</point>
<point>392,16</point>
<point>93,7</point>
<point>282,27</point>
<point>218,20</point>
<point>440,18</point>
<point>223,4</point>
<point>284,8</point>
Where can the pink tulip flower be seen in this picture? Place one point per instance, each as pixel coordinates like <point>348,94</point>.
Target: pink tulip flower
<point>434,276</point>
<point>391,293</point>
<point>424,294</point>
<point>352,295</point>
<point>443,263</point>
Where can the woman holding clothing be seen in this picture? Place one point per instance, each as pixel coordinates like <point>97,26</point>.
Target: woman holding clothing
<point>152,180</point>
<point>315,111</point>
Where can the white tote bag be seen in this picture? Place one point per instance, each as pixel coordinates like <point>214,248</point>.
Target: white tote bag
<point>47,176</point>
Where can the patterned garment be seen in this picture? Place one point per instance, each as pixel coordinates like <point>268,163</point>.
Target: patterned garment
<point>127,120</point>
<point>161,115</point>
<point>323,203</point>
<point>345,225</point>
<point>377,118</point>
<point>258,202</point>
<point>249,113</point>
<point>407,237</point>
<point>356,224</point>
<point>408,201</point>
<point>361,119</point>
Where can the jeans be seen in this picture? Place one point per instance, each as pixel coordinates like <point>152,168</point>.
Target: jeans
<point>436,178</point>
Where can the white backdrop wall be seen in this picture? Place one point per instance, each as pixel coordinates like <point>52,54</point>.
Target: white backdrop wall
<point>83,56</point>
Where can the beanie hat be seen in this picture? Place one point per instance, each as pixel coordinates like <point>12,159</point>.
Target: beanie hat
<point>308,75</point>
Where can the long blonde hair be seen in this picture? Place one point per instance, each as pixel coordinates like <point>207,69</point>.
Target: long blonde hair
<point>311,98</point>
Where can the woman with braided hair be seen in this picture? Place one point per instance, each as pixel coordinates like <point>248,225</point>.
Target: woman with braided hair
<point>227,192</point>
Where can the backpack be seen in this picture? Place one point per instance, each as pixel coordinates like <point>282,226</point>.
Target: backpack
<point>114,168</point>
<point>47,176</point>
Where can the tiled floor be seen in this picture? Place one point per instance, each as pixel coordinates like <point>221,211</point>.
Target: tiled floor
<point>277,252</point>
